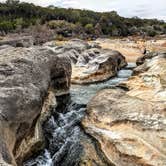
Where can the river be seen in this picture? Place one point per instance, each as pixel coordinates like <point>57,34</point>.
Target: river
<point>63,132</point>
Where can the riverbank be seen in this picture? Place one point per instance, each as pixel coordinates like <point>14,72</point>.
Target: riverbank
<point>129,122</point>
<point>68,144</point>
<point>39,77</point>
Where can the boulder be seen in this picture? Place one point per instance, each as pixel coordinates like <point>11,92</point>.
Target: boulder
<point>50,44</point>
<point>95,65</point>
<point>130,125</point>
<point>90,63</point>
<point>76,44</point>
<point>30,79</point>
<point>147,56</point>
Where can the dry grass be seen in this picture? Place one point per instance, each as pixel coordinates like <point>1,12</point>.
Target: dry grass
<point>131,54</point>
<point>60,43</point>
<point>132,49</point>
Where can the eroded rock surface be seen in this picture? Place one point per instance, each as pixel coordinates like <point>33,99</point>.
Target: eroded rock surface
<point>130,126</point>
<point>95,65</point>
<point>91,63</point>
<point>29,80</point>
<point>25,41</point>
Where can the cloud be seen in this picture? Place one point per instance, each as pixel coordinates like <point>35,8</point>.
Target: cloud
<point>70,3</point>
<point>127,8</point>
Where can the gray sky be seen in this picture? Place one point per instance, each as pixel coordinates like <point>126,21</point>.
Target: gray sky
<point>127,8</point>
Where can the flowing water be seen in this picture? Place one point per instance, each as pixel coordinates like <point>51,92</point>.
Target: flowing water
<point>63,131</point>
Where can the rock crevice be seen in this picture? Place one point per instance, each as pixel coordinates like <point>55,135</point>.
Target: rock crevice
<point>26,76</point>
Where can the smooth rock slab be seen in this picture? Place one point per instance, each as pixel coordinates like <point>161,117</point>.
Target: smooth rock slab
<point>130,126</point>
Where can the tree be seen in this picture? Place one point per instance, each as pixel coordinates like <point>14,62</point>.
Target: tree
<point>98,30</point>
<point>12,2</point>
<point>15,15</point>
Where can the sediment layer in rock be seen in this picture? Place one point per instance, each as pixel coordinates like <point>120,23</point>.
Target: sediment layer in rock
<point>130,126</point>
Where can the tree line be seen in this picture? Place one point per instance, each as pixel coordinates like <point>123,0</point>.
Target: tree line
<point>16,16</point>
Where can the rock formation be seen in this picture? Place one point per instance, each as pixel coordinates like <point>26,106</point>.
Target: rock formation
<point>90,63</point>
<point>29,80</point>
<point>129,123</point>
<point>25,41</point>
<point>95,65</point>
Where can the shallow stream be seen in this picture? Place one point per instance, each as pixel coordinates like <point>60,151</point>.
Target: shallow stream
<point>63,131</point>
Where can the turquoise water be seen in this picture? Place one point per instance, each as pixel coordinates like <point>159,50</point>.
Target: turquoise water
<point>81,94</point>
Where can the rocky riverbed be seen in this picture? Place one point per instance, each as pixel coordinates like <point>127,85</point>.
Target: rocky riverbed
<point>68,144</point>
<point>129,125</point>
<point>113,113</point>
<point>90,63</point>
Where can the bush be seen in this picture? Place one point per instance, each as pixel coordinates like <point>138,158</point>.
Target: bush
<point>150,31</point>
<point>66,22</point>
<point>6,26</point>
<point>89,29</point>
<point>41,33</point>
<point>60,24</point>
<point>62,27</point>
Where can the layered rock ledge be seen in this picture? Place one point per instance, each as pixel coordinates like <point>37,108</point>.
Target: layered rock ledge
<point>130,125</point>
<point>91,63</point>
<point>29,80</point>
<point>25,41</point>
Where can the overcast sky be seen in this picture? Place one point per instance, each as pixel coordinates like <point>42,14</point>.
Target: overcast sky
<point>127,8</point>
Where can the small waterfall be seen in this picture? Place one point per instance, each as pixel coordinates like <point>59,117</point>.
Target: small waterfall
<point>62,132</point>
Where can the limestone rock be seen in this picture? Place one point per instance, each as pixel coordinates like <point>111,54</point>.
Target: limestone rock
<point>25,41</point>
<point>147,56</point>
<point>76,44</point>
<point>130,126</point>
<point>90,63</point>
<point>95,65</point>
<point>26,77</point>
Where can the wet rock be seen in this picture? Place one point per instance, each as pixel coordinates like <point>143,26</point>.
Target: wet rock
<point>68,145</point>
<point>30,79</point>
<point>90,155</point>
<point>131,66</point>
<point>130,125</point>
<point>35,141</point>
<point>94,45</point>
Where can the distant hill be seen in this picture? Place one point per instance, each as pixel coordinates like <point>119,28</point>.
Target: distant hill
<point>17,16</point>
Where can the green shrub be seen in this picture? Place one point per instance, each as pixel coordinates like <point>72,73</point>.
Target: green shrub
<point>89,29</point>
<point>7,26</point>
<point>62,27</point>
<point>152,33</point>
<point>60,24</point>
<point>66,22</point>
